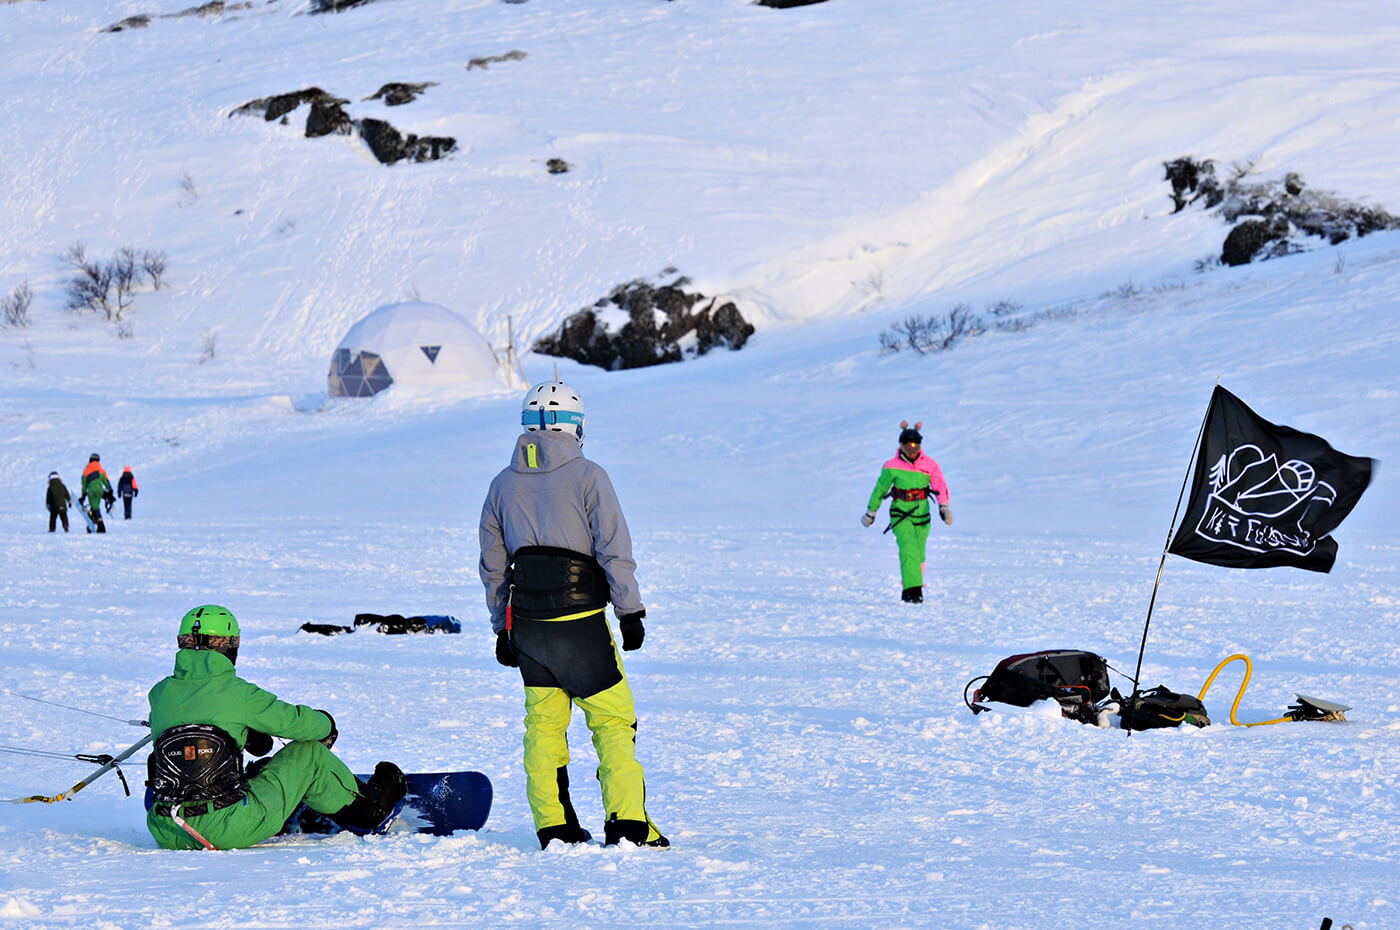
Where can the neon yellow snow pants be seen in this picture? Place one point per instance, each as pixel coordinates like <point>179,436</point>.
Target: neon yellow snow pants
<point>568,662</point>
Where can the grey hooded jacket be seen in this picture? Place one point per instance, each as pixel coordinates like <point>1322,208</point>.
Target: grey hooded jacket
<point>552,496</point>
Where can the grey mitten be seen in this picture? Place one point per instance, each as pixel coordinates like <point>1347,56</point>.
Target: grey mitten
<point>946,513</point>
<point>868,519</point>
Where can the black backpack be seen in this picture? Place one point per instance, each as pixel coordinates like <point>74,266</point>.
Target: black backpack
<point>1161,708</point>
<point>1078,680</point>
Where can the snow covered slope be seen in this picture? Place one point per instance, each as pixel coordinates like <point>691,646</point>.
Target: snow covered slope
<point>837,168</point>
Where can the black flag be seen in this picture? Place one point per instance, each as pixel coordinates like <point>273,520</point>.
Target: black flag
<point>1266,495</point>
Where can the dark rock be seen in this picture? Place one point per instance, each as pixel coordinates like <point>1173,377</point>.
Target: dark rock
<point>787,4</point>
<point>391,146</point>
<point>488,60</point>
<point>271,108</point>
<point>327,118</point>
<point>397,94</point>
<point>1191,181</point>
<point>557,166</point>
<point>131,22</point>
<point>335,6</point>
<point>661,326</point>
<point>1249,239</point>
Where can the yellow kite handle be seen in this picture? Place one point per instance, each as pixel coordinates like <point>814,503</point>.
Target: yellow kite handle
<point>1239,695</point>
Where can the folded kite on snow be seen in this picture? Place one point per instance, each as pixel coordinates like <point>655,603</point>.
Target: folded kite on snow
<point>390,623</point>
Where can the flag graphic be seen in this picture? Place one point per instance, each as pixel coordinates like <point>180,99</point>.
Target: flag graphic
<point>1265,495</point>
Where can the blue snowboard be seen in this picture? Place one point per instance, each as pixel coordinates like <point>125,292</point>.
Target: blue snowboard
<point>436,803</point>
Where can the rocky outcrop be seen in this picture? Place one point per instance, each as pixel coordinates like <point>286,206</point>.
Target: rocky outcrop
<point>207,10</point>
<point>638,325</point>
<point>1270,218</point>
<point>326,116</point>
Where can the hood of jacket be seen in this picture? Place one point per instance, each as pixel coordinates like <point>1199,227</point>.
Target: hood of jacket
<point>544,450</point>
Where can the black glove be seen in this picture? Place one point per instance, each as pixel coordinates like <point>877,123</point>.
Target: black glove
<point>505,651</point>
<point>329,739</point>
<point>259,743</point>
<point>632,630</point>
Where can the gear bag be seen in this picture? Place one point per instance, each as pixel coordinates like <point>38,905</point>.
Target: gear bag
<point>1161,707</point>
<point>197,765</point>
<point>1077,680</point>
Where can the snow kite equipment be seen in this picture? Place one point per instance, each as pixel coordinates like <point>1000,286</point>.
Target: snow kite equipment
<point>552,405</point>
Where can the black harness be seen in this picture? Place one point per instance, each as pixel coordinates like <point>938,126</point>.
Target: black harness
<point>548,582</point>
<point>196,767</point>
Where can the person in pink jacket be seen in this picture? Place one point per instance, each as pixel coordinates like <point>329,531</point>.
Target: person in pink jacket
<point>909,479</point>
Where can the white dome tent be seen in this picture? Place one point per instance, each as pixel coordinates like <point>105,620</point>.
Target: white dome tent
<point>412,343</point>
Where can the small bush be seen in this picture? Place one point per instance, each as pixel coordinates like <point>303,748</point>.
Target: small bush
<point>108,287</point>
<point>15,308</point>
<point>925,334</point>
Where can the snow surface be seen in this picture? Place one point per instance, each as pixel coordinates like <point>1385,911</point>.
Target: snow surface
<point>835,168</point>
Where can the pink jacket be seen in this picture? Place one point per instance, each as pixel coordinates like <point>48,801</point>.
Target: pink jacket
<point>928,466</point>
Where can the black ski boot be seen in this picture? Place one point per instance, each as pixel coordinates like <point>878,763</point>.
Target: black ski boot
<point>914,595</point>
<point>376,801</point>
<point>570,833</point>
<point>633,831</point>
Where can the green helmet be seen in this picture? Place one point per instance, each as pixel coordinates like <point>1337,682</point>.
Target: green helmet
<point>210,627</point>
<point>209,620</point>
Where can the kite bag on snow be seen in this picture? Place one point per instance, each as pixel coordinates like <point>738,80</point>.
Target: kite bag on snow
<point>1076,679</point>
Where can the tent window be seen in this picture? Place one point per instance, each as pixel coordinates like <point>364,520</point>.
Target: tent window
<point>431,352</point>
<point>359,375</point>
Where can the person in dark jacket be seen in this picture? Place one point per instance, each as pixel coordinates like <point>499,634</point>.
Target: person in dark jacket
<point>96,489</point>
<point>58,501</point>
<point>202,718</point>
<point>126,490</point>
<point>555,550</point>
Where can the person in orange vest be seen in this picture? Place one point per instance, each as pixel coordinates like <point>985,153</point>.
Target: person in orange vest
<point>126,490</point>
<point>96,489</point>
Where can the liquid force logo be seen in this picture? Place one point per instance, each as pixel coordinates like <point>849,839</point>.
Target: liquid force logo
<point>1260,505</point>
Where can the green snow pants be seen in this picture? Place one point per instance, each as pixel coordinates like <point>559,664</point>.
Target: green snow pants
<point>911,533</point>
<point>301,771</point>
<point>568,662</point>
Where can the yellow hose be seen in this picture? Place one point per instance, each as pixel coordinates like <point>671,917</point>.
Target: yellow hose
<point>1248,670</point>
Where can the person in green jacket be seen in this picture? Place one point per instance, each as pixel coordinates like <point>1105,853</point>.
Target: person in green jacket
<point>202,718</point>
<point>910,478</point>
<point>96,489</point>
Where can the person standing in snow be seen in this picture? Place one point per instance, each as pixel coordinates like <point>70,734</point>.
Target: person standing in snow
<point>555,550</point>
<point>910,478</point>
<point>58,500</point>
<point>96,489</point>
<point>202,718</point>
<point>126,490</point>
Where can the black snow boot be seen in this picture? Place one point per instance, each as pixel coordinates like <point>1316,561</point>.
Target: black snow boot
<point>914,595</point>
<point>633,831</point>
<point>570,833</point>
<point>377,800</point>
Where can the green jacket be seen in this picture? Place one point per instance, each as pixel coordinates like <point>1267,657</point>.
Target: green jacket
<point>205,689</point>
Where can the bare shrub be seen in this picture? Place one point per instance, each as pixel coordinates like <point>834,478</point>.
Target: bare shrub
<point>15,308</point>
<point>925,334</point>
<point>108,287</point>
<point>208,345</point>
<point>153,263</point>
<point>188,185</point>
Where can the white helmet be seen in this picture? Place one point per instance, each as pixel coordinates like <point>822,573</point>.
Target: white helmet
<point>552,405</point>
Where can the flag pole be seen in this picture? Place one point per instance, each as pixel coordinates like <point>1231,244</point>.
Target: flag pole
<point>1142,647</point>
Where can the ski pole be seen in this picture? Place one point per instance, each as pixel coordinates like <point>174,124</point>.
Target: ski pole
<point>108,763</point>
